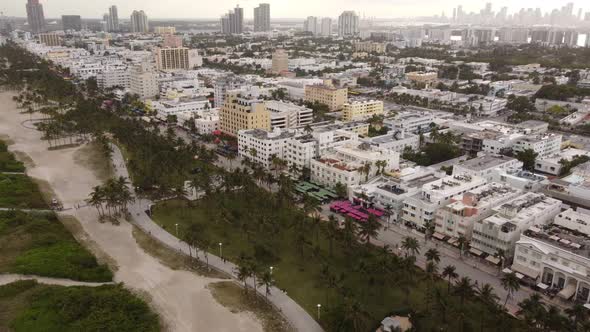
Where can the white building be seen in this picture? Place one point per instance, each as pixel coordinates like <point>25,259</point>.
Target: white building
<point>484,166</point>
<point>551,165</point>
<point>396,141</point>
<point>348,24</point>
<point>421,208</point>
<point>575,220</point>
<point>410,122</point>
<point>457,218</point>
<point>207,122</point>
<point>343,164</point>
<point>143,81</point>
<point>288,115</point>
<point>544,145</point>
<point>178,105</point>
<point>261,146</point>
<point>500,231</point>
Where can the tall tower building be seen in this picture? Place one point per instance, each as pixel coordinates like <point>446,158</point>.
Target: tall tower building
<point>139,22</point>
<point>326,27</point>
<point>348,24</point>
<point>113,19</point>
<point>35,16</point>
<point>262,17</point>
<point>71,22</point>
<point>233,21</point>
<point>311,25</point>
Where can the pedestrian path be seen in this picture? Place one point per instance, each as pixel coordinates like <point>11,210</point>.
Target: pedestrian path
<point>10,278</point>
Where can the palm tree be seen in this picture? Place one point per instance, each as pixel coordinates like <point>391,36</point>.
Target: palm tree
<point>464,289</point>
<point>267,281</point>
<point>461,242</point>
<point>488,297</point>
<point>450,273</point>
<point>243,273</point>
<point>532,310</point>
<point>432,255</point>
<point>231,157</point>
<point>366,170</point>
<point>410,245</point>
<point>428,229</point>
<point>331,231</point>
<point>578,314</point>
<point>370,229</point>
<point>511,284</point>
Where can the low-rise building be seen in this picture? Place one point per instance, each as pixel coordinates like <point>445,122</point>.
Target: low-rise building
<point>262,146</point>
<point>575,220</point>
<point>50,39</point>
<point>288,115</point>
<point>484,166</point>
<point>426,78</point>
<point>544,145</point>
<point>552,164</point>
<point>333,97</point>
<point>411,122</point>
<point>457,218</point>
<point>499,232</point>
<point>421,208</point>
<point>369,47</point>
<point>394,140</point>
<point>361,110</point>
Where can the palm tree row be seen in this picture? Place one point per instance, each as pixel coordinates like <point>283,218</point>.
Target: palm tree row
<point>112,198</point>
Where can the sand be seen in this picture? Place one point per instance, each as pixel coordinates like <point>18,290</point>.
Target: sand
<point>180,297</point>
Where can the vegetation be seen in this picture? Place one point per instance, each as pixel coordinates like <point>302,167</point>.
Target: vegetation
<point>38,244</point>
<point>7,161</point>
<point>561,92</point>
<point>28,306</point>
<point>567,165</point>
<point>19,191</point>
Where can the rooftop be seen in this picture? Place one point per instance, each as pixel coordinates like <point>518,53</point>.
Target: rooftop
<point>485,162</point>
<point>267,135</point>
<point>562,239</point>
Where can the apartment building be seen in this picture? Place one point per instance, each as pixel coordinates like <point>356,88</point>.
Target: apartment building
<point>343,165</point>
<point>161,30</point>
<point>396,141</point>
<point>50,39</point>
<point>489,106</point>
<point>288,115</point>
<point>143,81</point>
<point>457,218</point>
<point>551,164</point>
<point>262,146</point>
<point>361,110</point>
<point>334,98</point>
<point>410,122</point>
<point>118,76</point>
<point>575,220</point>
<point>369,47</point>
<point>164,107</point>
<point>422,77</point>
<point>242,113</point>
<point>483,166</point>
<point>421,208</point>
<point>557,260</point>
<point>544,145</point>
<point>500,231</point>
<point>177,58</point>
<point>280,61</point>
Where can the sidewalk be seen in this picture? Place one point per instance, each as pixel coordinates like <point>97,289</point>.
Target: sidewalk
<point>295,314</point>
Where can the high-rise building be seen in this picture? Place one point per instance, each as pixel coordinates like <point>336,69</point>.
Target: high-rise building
<point>112,19</point>
<point>139,22</point>
<point>50,39</point>
<point>35,16</point>
<point>172,41</point>
<point>240,112</point>
<point>348,24</point>
<point>311,25</point>
<point>233,22</point>
<point>280,61</point>
<point>143,81</point>
<point>177,58</point>
<point>165,30</point>
<point>326,27</point>
<point>71,22</point>
<point>262,17</point>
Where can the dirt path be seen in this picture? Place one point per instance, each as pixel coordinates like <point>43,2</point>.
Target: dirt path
<point>181,297</point>
<point>9,278</point>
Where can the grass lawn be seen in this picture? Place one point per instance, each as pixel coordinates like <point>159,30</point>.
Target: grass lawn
<point>7,161</point>
<point>30,307</point>
<point>39,244</point>
<point>19,191</point>
<point>301,276</point>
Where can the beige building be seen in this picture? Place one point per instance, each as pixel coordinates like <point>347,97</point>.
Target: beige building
<point>369,47</point>
<point>165,30</point>
<point>143,81</point>
<point>240,113</point>
<point>50,39</point>
<point>422,77</point>
<point>360,110</point>
<point>333,97</point>
<point>171,41</point>
<point>176,58</point>
<point>280,61</point>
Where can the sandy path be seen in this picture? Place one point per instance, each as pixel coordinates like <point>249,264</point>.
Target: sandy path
<point>180,297</point>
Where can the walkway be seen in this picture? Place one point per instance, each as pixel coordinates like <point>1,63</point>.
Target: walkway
<point>295,314</point>
<point>10,278</point>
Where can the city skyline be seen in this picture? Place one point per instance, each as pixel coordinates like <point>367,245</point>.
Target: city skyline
<point>183,9</point>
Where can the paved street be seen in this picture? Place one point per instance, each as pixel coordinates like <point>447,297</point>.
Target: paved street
<point>295,314</point>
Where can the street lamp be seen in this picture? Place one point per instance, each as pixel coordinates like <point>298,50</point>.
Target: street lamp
<point>319,307</point>
<point>271,270</point>
<point>176,229</point>
<point>220,250</point>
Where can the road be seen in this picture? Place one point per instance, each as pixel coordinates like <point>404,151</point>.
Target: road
<point>295,314</point>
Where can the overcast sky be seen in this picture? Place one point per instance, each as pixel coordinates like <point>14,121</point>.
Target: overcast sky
<point>279,8</point>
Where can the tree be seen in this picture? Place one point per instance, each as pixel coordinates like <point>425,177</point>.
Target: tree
<point>243,272</point>
<point>578,314</point>
<point>411,246</point>
<point>450,273</point>
<point>432,255</point>
<point>267,281</point>
<point>511,284</point>
<point>528,158</point>
<point>464,289</point>
<point>341,190</point>
<point>489,298</point>
<point>370,229</point>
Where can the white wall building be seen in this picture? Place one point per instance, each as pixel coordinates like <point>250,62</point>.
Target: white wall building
<point>551,165</point>
<point>575,220</point>
<point>265,144</point>
<point>288,115</point>
<point>484,166</point>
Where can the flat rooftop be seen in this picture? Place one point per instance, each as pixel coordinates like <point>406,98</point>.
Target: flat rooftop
<point>562,238</point>
<point>485,162</point>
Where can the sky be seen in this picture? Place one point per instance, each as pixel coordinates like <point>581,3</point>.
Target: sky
<point>279,8</point>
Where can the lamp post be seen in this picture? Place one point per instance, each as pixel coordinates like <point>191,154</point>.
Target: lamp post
<point>319,307</point>
<point>176,229</point>
<point>220,250</point>
<point>271,270</point>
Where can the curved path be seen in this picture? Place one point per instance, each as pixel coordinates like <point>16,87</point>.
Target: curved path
<point>10,278</point>
<point>300,319</point>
